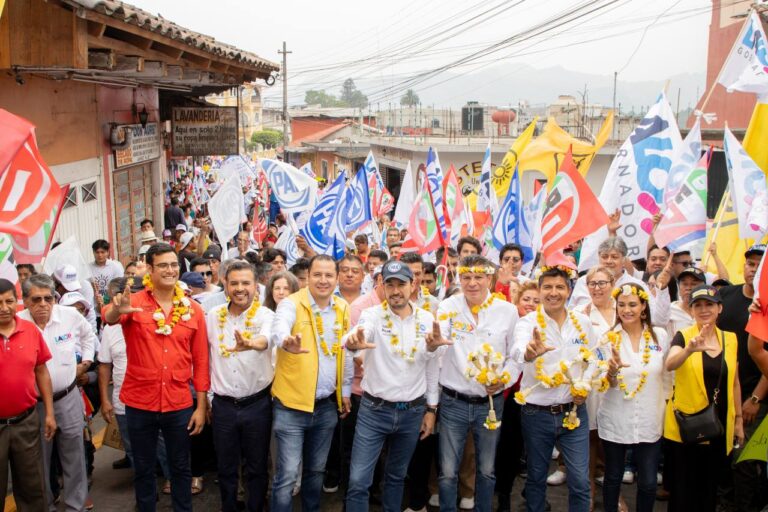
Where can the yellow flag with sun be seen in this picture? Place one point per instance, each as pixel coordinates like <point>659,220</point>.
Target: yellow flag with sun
<point>501,175</point>
<point>546,152</point>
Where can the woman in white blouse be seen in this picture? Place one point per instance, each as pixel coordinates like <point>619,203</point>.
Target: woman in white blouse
<point>631,413</point>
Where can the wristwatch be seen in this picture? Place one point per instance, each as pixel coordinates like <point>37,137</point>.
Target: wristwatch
<point>755,399</point>
<point>433,410</point>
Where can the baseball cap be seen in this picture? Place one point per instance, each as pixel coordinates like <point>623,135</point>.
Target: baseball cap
<point>67,276</point>
<point>193,279</point>
<point>756,249</point>
<point>181,227</point>
<point>72,298</point>
<point>212,253</point>
<point>694,272</point>
<point>393,269</point>
<point>166,232</point>
<point>147,237</point>
<point>185,239</point>
<point>705,292</point>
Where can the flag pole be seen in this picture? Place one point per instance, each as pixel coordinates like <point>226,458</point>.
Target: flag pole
<point>718,222</point>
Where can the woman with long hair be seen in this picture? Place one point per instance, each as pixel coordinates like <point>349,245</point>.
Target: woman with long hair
<point>280,285</point>
<point>631,413</point>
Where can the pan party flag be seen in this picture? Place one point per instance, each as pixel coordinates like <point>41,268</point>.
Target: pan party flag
<point>545,154</point>
<point>502,174</point>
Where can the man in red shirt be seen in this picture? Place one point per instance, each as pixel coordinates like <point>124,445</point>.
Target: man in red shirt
<point>167,347</point>
<point>23,354</point>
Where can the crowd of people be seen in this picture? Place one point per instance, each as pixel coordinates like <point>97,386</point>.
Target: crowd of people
<point>380,376</point>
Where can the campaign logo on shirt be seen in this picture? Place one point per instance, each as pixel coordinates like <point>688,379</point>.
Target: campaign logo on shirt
<point>463,326</point>
<point>63,338</point>
<point>655,347</point>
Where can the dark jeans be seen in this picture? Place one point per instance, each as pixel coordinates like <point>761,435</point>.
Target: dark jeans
<point>337,466</point>
<point>242,433</point>
<point>143,429</point>
<point>419,469</point>
<point>510,448</point>
<point>696,470</point>
<point>646,456</point>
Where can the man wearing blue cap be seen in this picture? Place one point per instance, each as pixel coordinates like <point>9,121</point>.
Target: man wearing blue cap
<point>736,300</point>
<point>400,387</point>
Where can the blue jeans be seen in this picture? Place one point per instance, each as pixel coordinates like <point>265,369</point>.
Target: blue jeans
<point>301,437</point>
<point>376,424</point>
<point>242,432</point>
<point>457,418</point>
<point>162,459</point>
<point>541,429</point>
<point>144,428</point>
<point>646,456</point>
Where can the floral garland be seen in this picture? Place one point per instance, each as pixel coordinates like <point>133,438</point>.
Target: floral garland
<point>629,289</point>
<point>182,308</point>
<point>485,367</point>
<point>615,339</point>
<point>337,327</point>
<point>425,305</point>
<point>485,305</point>
<point>247,335</point>
<point>579,385</point>
<point>477,269</point>
<point>568,270</point>
<point>394,340</point>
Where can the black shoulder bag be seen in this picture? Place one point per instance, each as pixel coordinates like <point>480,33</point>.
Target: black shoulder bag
<point>704,425</point>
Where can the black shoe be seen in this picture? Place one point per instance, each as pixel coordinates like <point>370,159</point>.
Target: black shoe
<point>504,505</point>
<point>123,463</point>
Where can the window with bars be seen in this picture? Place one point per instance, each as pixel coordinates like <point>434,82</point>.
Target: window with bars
<point>88,192</point>
<point>71,198</point>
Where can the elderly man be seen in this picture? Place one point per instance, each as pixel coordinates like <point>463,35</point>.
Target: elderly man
<point>612,253</point>
<point>68,336</point>
<point>22,366</point>
<point>471,322</point>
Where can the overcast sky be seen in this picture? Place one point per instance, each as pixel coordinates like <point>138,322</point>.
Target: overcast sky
<point>642,39</point>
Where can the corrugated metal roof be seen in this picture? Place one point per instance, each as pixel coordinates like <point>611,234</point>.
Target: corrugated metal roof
<point>155,23</point>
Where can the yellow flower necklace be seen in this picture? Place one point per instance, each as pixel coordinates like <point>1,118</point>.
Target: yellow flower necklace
<point>559,377</point>
<point>338,329</point>
<point>485,305</point>
<point>182,308</point>
<point>246,334</point>
<point>394,339</point>
<point>615,339</point>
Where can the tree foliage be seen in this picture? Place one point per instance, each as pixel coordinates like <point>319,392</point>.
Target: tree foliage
<point>350,97</point>
<point>322,98</point>
<point>410,98</point>
<point>268,138</point>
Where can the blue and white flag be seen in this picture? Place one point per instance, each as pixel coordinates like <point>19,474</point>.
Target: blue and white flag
<point>435,181</point>
<point>636,182</point>
<point>358,202</point>
<point>510,226</point>
<point>295,191</point>
<point>307,169</point>
<point>287,242</point>
<point>749,190</point>
<point>316,230</point>
<point>534,212</point>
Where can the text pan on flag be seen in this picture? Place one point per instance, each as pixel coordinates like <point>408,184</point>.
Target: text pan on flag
<point>572,210</point>
<point>294,190</point>
<point>28,190</point>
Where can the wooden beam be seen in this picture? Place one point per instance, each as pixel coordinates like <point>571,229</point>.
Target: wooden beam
<point>101,60</point>
<point>142,43</point>
<point>202,62</point>
<point>155,68</point>
<point>96,29</point>
<point>173,53</point>
<point>174,72</point>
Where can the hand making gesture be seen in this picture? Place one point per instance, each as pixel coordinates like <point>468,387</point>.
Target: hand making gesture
<point>292,344</point>
<point>356,340</point>
<point>241,344</point>
<point>435,338</point>
<point>121,302</point>
<point>615,364</point>
<point>536,347</point>
<point>702,342</point>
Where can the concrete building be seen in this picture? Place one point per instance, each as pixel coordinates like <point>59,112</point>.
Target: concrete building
<point>88,72</point>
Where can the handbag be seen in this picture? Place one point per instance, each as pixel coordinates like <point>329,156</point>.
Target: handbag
<point>704,425</point>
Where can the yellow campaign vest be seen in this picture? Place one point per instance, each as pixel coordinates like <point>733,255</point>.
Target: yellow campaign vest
<point>690,395</point>
<point>295,380</point>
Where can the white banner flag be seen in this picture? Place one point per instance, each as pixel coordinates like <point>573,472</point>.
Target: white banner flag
<point>748,188</point>
<point>746,67</point>
<point>636,182</point>
<point>227,211</point>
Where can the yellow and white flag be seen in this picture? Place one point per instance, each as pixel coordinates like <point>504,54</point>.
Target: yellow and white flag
<point>502,174</point>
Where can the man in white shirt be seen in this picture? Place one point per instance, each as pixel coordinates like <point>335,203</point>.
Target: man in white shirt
<point>469,322</point>
<point>68,335</point>
<point>612,253</point>
<point>400,390</point>
<point>562,336</point>
<point>241,375</point>
<point>103,270</point>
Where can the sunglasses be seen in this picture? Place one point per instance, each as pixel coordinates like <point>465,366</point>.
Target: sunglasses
<point>207,273</point>
<point>39,299</point>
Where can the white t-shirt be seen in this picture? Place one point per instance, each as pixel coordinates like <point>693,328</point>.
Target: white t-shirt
<point>102,275</point>
<point>113,351</point>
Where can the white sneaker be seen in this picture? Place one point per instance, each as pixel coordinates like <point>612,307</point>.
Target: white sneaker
<point>434,500</point>
<point>555,453</point>
<point>600,480</point>
<point>422,509</point>
<point>330,490</point>
<point>628,478</point>
<point>467,503</point>
<point>659,478</point>
<point>556,478</point>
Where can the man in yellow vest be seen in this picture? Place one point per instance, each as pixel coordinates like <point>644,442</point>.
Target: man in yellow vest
<point>313,379</point>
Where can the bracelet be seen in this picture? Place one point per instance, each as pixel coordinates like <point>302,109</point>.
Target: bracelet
<point>613,375</point>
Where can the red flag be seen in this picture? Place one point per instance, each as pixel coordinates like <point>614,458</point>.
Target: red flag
<point>572,210</point>
<point>423,229</point>
<point>28,190</point>
<point>758,322</point>
<point>32,249</point>
<point>453,202</point>
<point>260,226</point>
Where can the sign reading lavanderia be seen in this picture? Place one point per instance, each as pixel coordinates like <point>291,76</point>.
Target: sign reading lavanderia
<point>203,131</point>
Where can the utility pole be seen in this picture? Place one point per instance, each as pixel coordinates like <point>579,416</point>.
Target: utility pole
<point>616,114</point>
<point>285,53</point>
